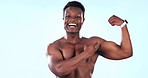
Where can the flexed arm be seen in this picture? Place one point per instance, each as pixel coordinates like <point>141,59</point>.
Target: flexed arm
<point>113,51</point>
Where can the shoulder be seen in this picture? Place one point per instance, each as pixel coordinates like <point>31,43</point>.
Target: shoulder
<point>53,52</point>
<point>55,44</point>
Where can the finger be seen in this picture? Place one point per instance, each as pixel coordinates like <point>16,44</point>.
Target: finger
<point>112,22</point>
<point>111,18</point>
<point>97,45</point>
<point>85,47</point>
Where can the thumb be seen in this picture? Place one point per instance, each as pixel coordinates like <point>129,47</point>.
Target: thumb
<point>97,45</point>
<point>85,47</point>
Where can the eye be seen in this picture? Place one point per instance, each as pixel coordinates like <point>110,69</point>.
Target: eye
<point>67,16</point>
<point>78,17</point>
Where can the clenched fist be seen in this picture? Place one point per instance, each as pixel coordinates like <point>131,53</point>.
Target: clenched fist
<point>115,20</point>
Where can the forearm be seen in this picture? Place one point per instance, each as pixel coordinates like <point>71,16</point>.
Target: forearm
<point>126,44</point>
<point>67,66</point>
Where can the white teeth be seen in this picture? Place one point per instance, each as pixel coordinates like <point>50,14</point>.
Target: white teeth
<point>72,24</point>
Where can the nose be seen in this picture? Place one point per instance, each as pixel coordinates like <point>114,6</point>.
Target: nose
<point>72,20</point>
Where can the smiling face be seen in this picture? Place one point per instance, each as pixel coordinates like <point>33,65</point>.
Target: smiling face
<point>73,19</point>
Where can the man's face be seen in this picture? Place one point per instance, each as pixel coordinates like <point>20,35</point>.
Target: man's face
<point>73,19</point>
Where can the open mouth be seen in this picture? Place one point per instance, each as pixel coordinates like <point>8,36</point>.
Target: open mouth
<point>72,25</point>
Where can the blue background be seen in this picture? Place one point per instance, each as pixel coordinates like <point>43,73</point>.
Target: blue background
<point>28,26</point>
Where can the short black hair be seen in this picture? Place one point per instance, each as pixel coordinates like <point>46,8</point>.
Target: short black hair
<point>74,4</point>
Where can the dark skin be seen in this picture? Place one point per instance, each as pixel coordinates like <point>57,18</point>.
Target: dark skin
<point>74,57</point>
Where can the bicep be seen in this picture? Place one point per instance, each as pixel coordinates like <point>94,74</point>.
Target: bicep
<point>111,50</point>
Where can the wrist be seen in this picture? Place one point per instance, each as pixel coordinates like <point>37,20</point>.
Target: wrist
<point>124,23</point>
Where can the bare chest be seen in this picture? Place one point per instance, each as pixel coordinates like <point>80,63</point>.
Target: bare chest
<point>69,50</point>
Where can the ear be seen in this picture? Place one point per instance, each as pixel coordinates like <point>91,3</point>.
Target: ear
<point>83,20</point>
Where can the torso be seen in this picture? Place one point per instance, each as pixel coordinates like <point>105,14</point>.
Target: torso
<point>69,50</point>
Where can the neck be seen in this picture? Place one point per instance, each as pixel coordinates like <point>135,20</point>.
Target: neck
<point>72,38</point>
